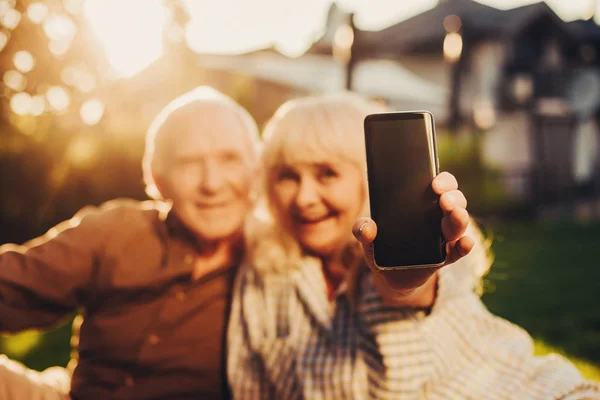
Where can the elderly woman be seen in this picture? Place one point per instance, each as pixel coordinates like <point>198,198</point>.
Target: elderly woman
<point>311,320</point>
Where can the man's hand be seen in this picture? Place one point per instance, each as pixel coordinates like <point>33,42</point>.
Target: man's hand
<point>417,287</point>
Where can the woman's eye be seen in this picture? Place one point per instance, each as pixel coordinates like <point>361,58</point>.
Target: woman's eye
<point>327,173</point>
<point>287,175</point>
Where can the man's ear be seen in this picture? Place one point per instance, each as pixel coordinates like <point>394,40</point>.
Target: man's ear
<point>160,183</point>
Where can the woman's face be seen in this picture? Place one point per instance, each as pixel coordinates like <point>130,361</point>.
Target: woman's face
<point>318,202</point>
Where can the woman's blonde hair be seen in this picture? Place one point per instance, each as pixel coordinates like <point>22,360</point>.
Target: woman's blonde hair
<point>310,129</point>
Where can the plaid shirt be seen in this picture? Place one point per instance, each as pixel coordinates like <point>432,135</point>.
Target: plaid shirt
<point>288,341</point>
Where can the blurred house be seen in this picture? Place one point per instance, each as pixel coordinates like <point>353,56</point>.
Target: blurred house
<point>323,68</point>
<point>526,79</point>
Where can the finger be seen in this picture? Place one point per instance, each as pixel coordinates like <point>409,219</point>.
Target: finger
<point>364,230</point>
<point>444,182</point>
<point>452,199</point>
<point>457,249</point>
<point>455,224</point>
<point>464,245</point>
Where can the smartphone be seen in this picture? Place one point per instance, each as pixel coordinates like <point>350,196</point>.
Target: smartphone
<point>401,164</point>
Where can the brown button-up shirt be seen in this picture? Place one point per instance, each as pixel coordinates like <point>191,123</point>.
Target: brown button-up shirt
<point>149,331</point>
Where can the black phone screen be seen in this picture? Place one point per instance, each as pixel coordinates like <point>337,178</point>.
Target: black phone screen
<point>401,163</point>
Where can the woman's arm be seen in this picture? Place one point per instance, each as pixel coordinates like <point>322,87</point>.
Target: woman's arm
<point>417,287</point>
<point>493,358</point>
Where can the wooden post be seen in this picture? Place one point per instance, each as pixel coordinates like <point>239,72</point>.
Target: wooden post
<point>350,64</point>
<point>458,69</point>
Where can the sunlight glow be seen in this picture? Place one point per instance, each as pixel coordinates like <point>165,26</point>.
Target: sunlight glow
<point>484,114</point>
<point>37,12</point>
<point>522,88</point>
<point>14,80</point>
<point>23,61</point>
<point>73,7</point>
<point>130,31</point>
<point>176,34</point>
<point>58,98</point>
<point>82,151</point>
<point>11,18</point>
<point>342,43</point>
<point>59,27</point>
<point>5,5</point>
<point>77,77</point>
<point>20,103</point>
<point>3,40</point>
<point>453,47</point>
<point>91,111</point>
<point>230,26</point>
<point>234,26</point>
<point>37,106</point>
<point>59,47</point>
<point>61,30</point>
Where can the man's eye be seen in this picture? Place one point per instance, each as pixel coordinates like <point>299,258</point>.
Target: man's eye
<point>230,158</point>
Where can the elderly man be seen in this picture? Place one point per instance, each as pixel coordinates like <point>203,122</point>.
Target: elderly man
<point>152,280</point>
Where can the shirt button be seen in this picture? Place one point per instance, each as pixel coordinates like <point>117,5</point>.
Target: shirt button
<point>180,295</point>
<point>189,259</point>
<point>129,381</point>
<point>153,339</point>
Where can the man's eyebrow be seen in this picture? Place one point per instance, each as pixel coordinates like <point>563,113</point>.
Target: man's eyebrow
<point>187,158</point>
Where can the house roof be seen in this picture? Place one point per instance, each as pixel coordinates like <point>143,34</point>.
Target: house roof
<point>425,31</point>
<point>587,30</point>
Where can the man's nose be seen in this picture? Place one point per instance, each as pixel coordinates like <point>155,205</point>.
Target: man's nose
<point>213,177</point>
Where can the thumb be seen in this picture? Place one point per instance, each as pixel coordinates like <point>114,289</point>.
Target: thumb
<point>365,230</point>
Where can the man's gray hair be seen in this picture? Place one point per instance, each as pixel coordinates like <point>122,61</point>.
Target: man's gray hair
<point>203,95</point>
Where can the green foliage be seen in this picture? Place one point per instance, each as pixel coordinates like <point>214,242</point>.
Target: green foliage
<point>39,350</point>
<point>483,187</point>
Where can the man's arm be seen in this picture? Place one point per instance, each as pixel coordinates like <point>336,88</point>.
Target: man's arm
<point>46,279</point>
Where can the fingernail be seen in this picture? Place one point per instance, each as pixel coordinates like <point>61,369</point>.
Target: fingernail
<point>359,233</point>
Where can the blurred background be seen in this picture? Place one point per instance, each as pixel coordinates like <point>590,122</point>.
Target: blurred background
<point>514,86</point>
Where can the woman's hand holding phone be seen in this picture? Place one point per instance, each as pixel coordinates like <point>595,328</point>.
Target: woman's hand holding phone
<point>416,287</point>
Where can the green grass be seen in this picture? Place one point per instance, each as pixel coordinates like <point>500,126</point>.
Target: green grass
<point>39,350</point>
<point>545,278</point>
<point>589,369</point>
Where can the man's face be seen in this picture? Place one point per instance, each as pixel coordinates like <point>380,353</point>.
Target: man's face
<point>208,171</point>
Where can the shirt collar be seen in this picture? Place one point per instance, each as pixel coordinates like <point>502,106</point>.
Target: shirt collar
<point>171,228</point>
<point>312,289</point>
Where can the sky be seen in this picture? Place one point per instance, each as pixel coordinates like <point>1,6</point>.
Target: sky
<point>234,26</point>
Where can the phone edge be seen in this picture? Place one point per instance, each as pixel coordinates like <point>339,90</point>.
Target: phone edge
<point>384,116</point>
